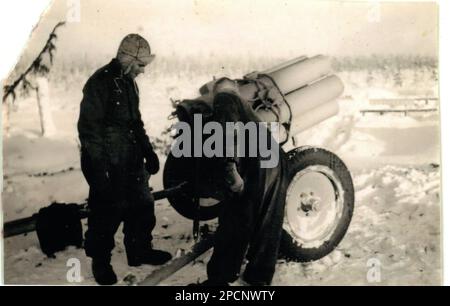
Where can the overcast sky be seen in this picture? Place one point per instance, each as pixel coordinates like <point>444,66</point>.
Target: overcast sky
<point>281,28</point>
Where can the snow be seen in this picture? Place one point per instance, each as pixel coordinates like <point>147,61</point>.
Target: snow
<point>394,160</point>
<point>398,226</point>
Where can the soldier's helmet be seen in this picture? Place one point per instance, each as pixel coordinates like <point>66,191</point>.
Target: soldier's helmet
<point>134,47</point>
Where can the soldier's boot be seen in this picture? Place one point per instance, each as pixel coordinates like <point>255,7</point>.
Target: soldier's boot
<point>148,257</point>
<point>233,178</point>
<point>140,253</point>
<point>103,272</point>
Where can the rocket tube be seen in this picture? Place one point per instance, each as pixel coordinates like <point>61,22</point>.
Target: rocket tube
<point>301,73</point>
<point>314,95</point>
<point>303,100</point>
<point>314,117</point>
<point>285,64</point>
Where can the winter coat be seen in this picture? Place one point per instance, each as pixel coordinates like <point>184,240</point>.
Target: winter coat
<point>252,220</point>
<point>110,127</point>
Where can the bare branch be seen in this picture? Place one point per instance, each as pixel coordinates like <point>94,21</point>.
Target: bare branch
<point>35,67</point>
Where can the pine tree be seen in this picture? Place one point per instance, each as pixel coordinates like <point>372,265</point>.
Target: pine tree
<point>35,78</point>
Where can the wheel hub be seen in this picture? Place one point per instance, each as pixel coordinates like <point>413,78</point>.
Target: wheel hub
<point>308,203</point>
<point>314,205</point>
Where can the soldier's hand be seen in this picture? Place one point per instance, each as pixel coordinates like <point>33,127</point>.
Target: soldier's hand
<point>152,163</point>
<point>233,178</point>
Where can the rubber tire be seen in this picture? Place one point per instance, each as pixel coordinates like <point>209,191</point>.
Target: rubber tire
<point>177,171</point>
<point>299,159</point>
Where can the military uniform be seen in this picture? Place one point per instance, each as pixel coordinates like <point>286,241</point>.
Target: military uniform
<point>113,147</point>
<point>250,224</point>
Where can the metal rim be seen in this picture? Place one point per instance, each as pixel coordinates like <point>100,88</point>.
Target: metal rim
<point>314,206</point>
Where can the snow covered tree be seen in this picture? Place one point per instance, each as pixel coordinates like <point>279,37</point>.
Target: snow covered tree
<point>35,78</point>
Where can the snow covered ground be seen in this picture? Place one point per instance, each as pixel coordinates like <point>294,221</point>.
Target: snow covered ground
<point>394,160</point>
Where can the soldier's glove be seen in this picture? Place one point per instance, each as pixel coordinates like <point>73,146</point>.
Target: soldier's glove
<point>233,178</point>
<point>152,163</point>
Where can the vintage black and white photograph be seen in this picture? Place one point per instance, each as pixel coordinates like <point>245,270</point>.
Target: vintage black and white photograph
<point>224,143</point>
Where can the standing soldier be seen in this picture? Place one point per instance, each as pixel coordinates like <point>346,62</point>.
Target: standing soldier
<point>114,145</point>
